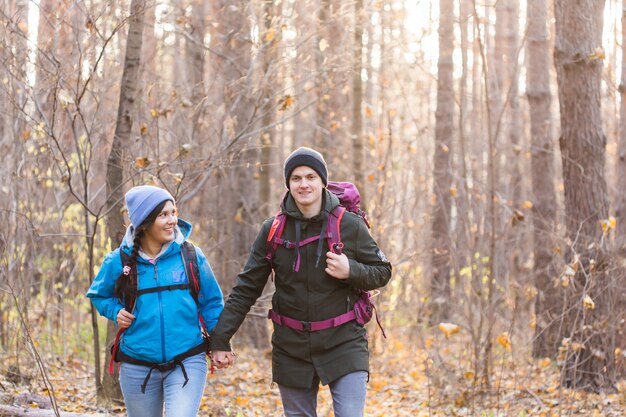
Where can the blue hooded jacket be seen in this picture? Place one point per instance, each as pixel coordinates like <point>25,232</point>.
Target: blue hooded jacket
<point>166,322</point>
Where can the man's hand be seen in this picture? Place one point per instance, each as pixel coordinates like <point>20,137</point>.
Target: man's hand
<point>222,359</point>
<point>337,266</point>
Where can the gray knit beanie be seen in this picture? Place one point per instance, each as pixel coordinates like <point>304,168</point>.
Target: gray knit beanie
<point>307,157</point>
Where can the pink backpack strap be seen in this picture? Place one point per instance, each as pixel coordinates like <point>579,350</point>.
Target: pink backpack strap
<point>334,230</point>
<point>274,236</point>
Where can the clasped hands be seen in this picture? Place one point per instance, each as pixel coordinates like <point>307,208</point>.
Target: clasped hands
<point>222,359</point>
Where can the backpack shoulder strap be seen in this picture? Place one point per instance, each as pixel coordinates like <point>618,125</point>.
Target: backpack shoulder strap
<point>333,230</point>
<point>124,257</point>
<point>276,231</point>
<point>190,260</point>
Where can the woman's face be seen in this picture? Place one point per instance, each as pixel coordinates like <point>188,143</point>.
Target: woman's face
<point>162,230</point>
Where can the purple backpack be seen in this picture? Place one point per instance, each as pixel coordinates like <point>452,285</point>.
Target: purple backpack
<point>349,199</point>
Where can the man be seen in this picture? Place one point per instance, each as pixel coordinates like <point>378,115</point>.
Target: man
<point>313,284</point>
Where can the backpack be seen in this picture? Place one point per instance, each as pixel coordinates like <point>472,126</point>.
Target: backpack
<point>190,262</point>
<point>350,200</point>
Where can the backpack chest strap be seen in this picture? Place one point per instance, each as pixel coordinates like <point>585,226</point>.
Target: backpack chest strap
<point>290,245</point>
<point>163,288</point>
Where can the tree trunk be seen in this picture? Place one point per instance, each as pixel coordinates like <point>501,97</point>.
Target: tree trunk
<point>357,98</point>
<point>442,172</point>
<point>620,206</point>
<point>195,51</point>
<point>270,81</point>
<point>241,208</point>
<point>323,81</point>
<point>547,302</point>
<point>590,350</point>
<point>115,166</point>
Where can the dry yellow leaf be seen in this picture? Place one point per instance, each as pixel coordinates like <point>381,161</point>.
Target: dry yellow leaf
<point>242,401</point>
<point>577,346</point>
<point>598,53</point>
<point>504,341</point>
<point>429,342</point>
<point>527,204</point>
<point>453,192</point>
<point>588,303</point>
<point>141,162</point>
<point>323,45</point>
<point>285,102</point>
<point>270,34</point>
<point>448,329</point>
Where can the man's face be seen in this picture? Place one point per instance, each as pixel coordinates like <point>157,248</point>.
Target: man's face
<point>306,187</point>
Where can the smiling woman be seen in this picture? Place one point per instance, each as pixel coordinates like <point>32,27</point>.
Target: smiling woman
<point>160,311</point>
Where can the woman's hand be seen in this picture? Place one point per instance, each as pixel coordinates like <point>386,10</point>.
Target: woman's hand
<point>124,319</point>
<point>222,359</point>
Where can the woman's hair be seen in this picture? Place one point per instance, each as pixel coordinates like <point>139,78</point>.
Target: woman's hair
<point>126,285</point>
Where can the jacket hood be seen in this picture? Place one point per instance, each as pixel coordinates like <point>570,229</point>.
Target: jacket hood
<point>181,233</point>
<point>289,207</point>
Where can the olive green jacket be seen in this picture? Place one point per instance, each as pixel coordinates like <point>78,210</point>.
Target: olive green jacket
<point>299,358</point>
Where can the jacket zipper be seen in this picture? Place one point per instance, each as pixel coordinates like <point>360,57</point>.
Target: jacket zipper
<point>156,277</point>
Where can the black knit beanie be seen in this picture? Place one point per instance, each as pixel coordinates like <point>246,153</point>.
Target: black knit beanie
<point>308,157</point>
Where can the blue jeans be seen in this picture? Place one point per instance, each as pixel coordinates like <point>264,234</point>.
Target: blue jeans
<point>348,393</point>
<point>164,387</point>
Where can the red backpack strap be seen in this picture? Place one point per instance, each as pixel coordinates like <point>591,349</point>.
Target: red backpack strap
<point>273,237</point>
<point>114,349</point>
<point>333,230</point>
<point>190,261</point>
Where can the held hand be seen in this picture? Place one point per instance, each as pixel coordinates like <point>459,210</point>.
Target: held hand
<point>124,319</point>
<point>337,266</point>
<point>222,359</point>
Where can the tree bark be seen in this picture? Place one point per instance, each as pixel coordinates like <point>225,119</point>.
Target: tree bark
<point>620,205</point>
<point>115,167</point>
<point>357,98</point>
<point>590,350</point>
<point>442,171</point>
<point>547,301</point>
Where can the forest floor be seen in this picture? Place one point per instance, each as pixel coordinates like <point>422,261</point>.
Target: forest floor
<point>405,381</point>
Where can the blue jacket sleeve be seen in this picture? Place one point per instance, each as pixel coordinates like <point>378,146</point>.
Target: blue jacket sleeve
<point>101,290</point>
<point>210,299</point>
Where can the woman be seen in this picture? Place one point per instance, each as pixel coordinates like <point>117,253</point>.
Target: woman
<point>144,287</point>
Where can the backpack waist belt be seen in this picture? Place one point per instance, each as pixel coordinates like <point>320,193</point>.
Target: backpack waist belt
<point>311,326</point>
<point>163,367</point>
